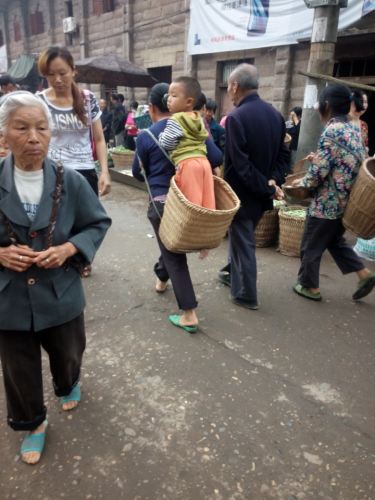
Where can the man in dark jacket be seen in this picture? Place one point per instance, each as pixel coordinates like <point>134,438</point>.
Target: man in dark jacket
<point>254,143</point>
<point>118,119</point>
<point>106,119</point>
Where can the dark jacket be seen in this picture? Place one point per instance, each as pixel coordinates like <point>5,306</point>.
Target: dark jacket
<point>41,298</point>
<point>118,119</point>
<point>106,119</point>
<point>158,169</point>
<point>254,145</point>
<point>218,134</point>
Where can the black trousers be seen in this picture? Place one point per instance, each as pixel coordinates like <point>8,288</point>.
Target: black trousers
<point>172,265</point>
<point>242,264</point>
<point>320,235</point>
<point>20,354</point>
<point>92,178</point>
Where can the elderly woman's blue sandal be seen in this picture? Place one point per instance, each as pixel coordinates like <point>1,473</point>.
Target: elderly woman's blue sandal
<point>34,443</point>
<point>175,319</point>
<point>75,395</point>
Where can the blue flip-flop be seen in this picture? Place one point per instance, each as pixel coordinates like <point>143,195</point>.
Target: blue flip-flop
<point>34,443</point>
<point>75,395</point>
<point>175,319</point>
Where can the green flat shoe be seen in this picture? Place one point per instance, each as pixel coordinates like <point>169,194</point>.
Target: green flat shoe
<point>365,287</point>
<point>75,395</point>
<point>175,320</point>
<point>34,443</point>
<point>304,292</point>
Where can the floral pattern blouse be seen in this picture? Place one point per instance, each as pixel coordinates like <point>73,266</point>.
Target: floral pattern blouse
<point>334,168</point>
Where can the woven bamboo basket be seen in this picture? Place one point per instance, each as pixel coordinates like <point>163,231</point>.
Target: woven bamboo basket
<point>267,229</point>
<point>359,216</point>
<point>291,231</point>
<point>186,227</point>
<point>295,192</point>
<point>122,160</point>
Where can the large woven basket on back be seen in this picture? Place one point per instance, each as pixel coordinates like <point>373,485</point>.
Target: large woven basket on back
<point>291,230</point>
<point>122,160</point>
<point>359,216</point>
<point>186,227</point>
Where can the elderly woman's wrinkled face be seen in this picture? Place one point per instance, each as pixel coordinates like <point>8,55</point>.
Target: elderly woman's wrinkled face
<point>27,134</point>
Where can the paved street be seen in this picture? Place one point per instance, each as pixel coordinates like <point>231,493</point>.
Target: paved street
<point>269,404</point>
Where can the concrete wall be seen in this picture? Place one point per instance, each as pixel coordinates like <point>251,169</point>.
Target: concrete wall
<point>153,33</point>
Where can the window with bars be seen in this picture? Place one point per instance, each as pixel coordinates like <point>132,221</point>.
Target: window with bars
<point>17,30</point>
<point>226,68</point>
<point>36,23</point>
<point>355,67</point>
<point>103,6</point>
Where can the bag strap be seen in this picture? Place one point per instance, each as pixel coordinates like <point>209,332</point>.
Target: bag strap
<point>343,146</point>
<point>86,93</point>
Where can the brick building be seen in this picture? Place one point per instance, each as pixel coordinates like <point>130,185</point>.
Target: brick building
<point>153,33</point>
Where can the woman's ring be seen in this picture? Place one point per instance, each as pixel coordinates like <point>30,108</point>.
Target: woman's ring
<point>47,260</point>
<point>20,257</point>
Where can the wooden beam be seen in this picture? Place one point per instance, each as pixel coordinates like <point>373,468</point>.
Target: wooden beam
<point>347,83</point>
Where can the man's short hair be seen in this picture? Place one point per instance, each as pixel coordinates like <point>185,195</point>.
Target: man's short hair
<point>192,87</point>
<point>211,105</point>
<point>7,80</point>
<point>298,111</point>
<point>246,75</point>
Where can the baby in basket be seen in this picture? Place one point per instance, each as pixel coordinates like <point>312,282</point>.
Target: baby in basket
<point>184,138</point>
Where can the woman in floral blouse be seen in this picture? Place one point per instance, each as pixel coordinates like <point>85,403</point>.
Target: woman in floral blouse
<point>331,176</point>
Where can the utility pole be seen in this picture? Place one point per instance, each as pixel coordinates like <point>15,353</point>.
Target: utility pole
<point>322,52</point>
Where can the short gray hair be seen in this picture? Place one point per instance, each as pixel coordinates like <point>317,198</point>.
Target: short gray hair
<point>18,99</point>
<point>246,75</point>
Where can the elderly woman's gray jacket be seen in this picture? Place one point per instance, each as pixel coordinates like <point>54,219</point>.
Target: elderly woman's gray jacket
<point>39,298</point>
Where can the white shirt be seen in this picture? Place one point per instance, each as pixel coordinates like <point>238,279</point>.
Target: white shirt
<point>29,186</point>
<point>71,139</point>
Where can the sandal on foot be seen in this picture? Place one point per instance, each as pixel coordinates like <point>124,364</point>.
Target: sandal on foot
<point>74,396</point>
<point>34,443</point>
<point>175,319</point>
<point>305,292</point>
<point>365,287</point>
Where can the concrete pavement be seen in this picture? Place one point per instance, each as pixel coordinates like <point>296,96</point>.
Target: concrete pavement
<point>276,403</point>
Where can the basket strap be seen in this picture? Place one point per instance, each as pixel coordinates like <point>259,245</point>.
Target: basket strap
<point>343,146</point>
<point>148,186</point>
<point>159,145</point>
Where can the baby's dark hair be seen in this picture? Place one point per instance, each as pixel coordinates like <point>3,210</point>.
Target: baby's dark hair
<point>357,99</point>
<point>337,97</point>
<point>192,87</point>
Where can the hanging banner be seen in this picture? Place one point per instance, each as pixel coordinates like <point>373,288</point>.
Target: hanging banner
<point>227,25</point>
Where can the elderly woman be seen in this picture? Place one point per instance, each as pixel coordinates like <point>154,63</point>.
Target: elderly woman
<point>331,176</point>
<point>46,234</point>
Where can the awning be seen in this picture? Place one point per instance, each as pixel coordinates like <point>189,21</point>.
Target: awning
<point>22,67</point>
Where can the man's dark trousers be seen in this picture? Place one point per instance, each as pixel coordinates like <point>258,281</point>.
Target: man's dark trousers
<point>242,265</point>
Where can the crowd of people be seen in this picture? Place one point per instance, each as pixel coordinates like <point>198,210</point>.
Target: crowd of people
<point>48,236</point>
